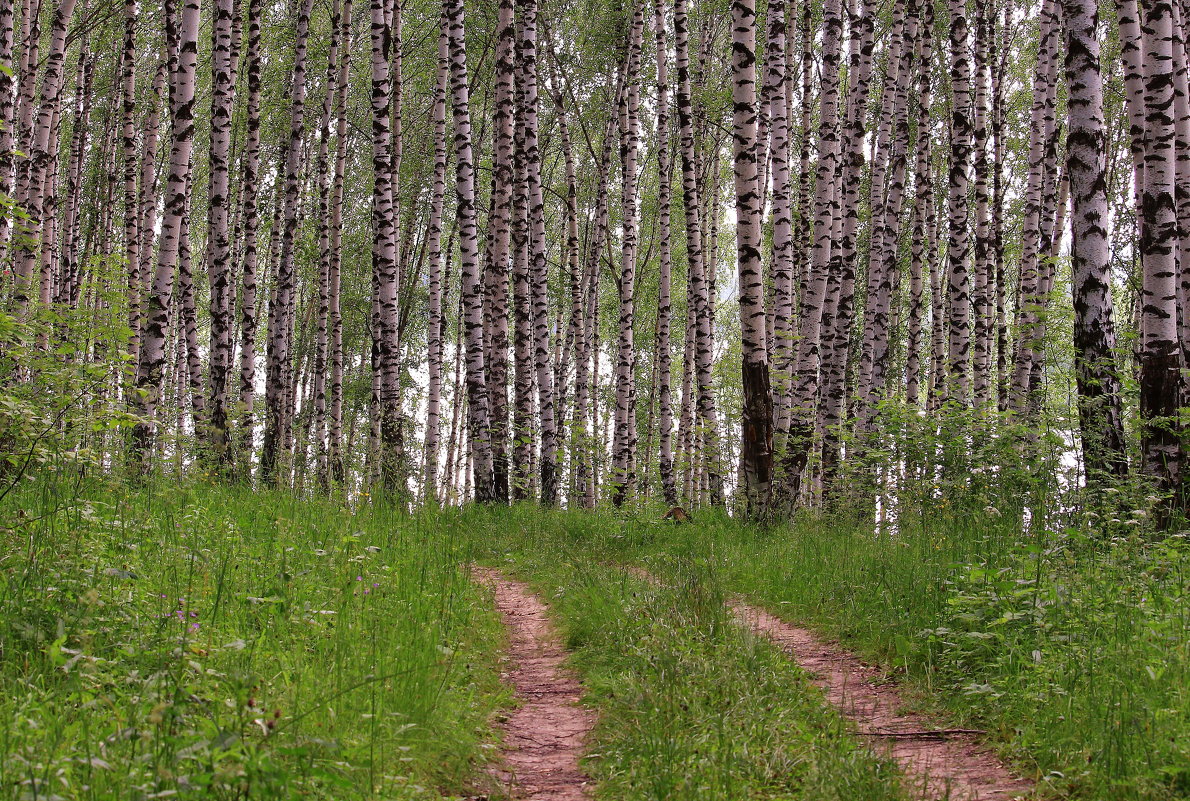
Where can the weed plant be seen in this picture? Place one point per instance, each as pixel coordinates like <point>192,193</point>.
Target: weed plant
<point>690,705</point>
<point>1070,647</point>
<point>196,642</point>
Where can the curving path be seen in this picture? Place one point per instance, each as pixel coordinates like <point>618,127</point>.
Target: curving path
<point>543,737</point>
<point>940,764</point>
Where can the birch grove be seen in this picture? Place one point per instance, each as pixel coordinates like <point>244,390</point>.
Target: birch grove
<point>765,258</point>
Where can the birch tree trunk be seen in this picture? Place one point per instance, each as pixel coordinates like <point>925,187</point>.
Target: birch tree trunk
<point>958,249</point>
<point>434,301</point>
<point>982,286</point>
<point>814,286</point>
<point>696,269</point>
<point>472,293</point>
<point>538,267</point>
<point>150,368</point>
<point>334,312</point>
<point>385,222</point>
<point>218,232</point>
<point>251,222</point>
<point>623,478</point>
<point>1100,415</point>
<point>280,343</point>
<point>7,107</point>
<point>922,208</point>
<point>757,411</point>
<point>322,333</point>
<point>28,252</point>
<point>131,201</point>
<point>665,266</point>
<point>1042,126</point>
<point>522,312</point>
<point>1159,356</point>
<point>496,275</point>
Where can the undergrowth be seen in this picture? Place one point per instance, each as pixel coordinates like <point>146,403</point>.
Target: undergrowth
<point>690,705</point>
<point>1070,648</point>
<point>196,642</point>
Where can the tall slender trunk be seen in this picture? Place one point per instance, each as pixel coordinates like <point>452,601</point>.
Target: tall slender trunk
<point>697,271</point>
<point>624,443</point>
<point>998,55</point>
<point>141,273</point>
<point>26,101</point>
<point>538,267</point>
<point>1159,356</point>
<point>586,377</point>
<point>922,208</point>
<point>522,417</point>
<point>187,296</point>
<point>150,367</point>
<point>1042,126</point>
<point>983,283</point>
<point>131,201</point>
<point>814,285</point>
<point>318,421</point>
<point>779,335</point>
<point>7,106</point>
<point>958,248</point>
<point>472,291</point>
<point>434,301</point>
<point>839,307</point>
<point>757,411</point>
<point>251,222</point>
<point>1100,415</point>
<point>219,253</point>
<point>334,313</point>
<point>884,259</point>
<point>385,222</point>
<point>665,267</point>
<point>279,341</point>
<point>70,272</point>
<point>28,252</point>
<point>496,253</point>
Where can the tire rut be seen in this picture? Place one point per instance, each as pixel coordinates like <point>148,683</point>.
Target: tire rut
<point>940,764</point>
<point>544,736</point>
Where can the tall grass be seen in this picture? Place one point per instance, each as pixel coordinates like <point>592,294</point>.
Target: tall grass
<point>1071,648</point>
<point>191,641</point>
<point>691,706</point>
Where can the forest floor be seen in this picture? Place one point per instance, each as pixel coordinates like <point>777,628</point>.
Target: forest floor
<point>193,641</point>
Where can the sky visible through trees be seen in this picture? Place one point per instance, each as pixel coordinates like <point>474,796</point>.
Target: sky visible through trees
<point>764,256</point>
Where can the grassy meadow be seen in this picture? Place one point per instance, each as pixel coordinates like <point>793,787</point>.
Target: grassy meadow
<point>192,641</point>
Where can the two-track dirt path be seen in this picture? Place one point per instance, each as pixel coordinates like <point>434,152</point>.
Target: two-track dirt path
<point>543,737</point>
<point>940,764</point>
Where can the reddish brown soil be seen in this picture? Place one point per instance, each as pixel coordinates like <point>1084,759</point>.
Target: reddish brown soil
<point>940,764</point>
<point>543,737</point>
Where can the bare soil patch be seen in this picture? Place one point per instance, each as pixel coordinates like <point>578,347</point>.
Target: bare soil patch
<point>543,737</point>
<point>941,764</point>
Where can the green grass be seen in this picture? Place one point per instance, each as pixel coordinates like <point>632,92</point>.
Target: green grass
<point>218,643</point>
<point>1071,649</point>
<point>690,706</point>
